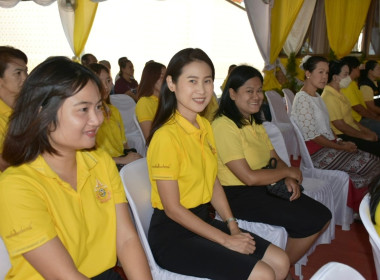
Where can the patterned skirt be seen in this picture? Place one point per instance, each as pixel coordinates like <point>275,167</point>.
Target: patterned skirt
<point>362,167</point>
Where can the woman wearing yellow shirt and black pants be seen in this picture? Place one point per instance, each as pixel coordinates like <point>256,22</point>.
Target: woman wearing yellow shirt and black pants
<point>182,167</point>
<point>111,134</point>
<point>244,149</point>
<point>64,213</point>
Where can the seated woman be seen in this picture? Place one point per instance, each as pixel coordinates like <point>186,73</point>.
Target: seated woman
<point>244,149</point>
<point>126,84</point>
<point>148,93</point>
<point>13,72</point>
<point>325,150</point>
<point>111,135</point>
<point>339,110</point>
<point>369,86</point>
<point>183,236</point>
<point>64,210</point>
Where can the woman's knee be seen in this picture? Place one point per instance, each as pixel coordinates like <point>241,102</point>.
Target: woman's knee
<point>278,260</point>
<point>262,271</point>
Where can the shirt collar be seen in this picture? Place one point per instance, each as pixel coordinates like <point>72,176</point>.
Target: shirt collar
<point>187,126</point>
<point>332,90</point>
<point>85,162</point>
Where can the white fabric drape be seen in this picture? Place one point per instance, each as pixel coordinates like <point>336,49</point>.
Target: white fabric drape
<point>297,34</point>
<point>12,3</point>
<point>259,15</point>
<point>68,20</point>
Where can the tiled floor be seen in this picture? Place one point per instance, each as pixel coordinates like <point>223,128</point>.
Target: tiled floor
<point>349,247</point>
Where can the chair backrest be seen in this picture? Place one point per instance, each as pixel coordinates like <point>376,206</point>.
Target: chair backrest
<point>5,263</point>
<point>374,238</point>
<point>337,271</point>
<point>278,141</point>
<point>139,128</point>
<point>277,107</point>
<point>126,106</point>
<point>305,156</point>
<point>289,97</point>
<point>135,178</point>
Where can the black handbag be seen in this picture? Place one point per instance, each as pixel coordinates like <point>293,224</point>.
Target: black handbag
<point>279,188</point>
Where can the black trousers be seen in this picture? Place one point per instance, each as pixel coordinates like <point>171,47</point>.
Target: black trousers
<point>109,274</point>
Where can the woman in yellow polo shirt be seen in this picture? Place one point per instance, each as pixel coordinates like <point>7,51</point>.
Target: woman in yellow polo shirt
<point>339,108</point>
<point>369,86</point>
<point>64,213</point>
<point>148,93</point>
<point>182,167</point>
<point>13,72</point>
<point>111,135</point>
<point>244,149</point>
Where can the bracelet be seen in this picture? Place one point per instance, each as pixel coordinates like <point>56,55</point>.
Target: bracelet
<point>339,139</point>
<point>230,220</point>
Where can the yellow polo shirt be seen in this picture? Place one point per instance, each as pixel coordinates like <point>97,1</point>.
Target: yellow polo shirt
<point>36,206</point>
<point>251,143</point>
<point>146,108</point>
<point>211,108</point>
<point>5,112</point>
<point>111,135</point>
<point>367,92</point>
<point>355,97</point>
<point>339,108</point>
<point>179,151</point>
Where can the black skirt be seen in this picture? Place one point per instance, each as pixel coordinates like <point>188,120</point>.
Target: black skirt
<point>181,251</point>
<point>301,218</point>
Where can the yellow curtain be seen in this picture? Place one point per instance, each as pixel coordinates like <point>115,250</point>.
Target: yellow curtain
<point>345,20</point>
<point>283,16</point>
<point>84,17</point>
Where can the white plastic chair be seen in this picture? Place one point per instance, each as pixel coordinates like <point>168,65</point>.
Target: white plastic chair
<point>137,187</point>
<point>274,234</point>
<point>281,119</point>
<point>141,133</point>
<point>337,271</point>
<point>315,188</point>
<point>126,106</point>
<point>289,97</point>
<point>374,238</point>
<point>5,263</point>
<point>339,181</point>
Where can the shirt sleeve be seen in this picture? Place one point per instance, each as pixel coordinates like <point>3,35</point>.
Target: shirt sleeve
<point>144,110</point>
<point>228,141</point>
<point>367,93</point>
<point>163,157</point>
<point>26,223</point>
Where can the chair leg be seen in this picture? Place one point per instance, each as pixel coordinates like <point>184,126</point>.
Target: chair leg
<point>298,270</point>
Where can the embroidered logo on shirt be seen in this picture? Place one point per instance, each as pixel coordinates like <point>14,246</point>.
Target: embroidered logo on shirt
<point>15,232</point>
<point>158,165</point>
<point>102,192</point>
